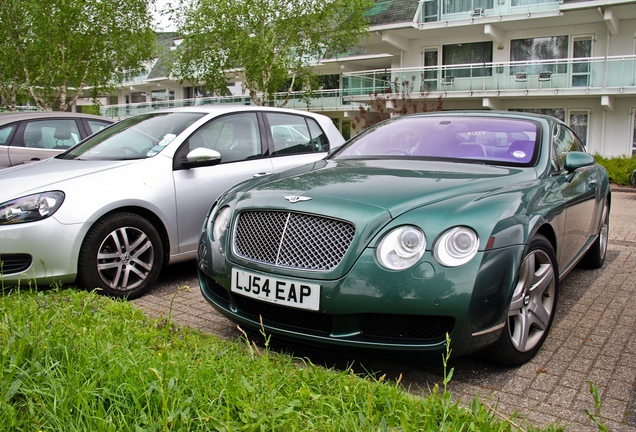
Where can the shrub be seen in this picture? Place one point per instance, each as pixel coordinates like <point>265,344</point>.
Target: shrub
<point>619,169</point>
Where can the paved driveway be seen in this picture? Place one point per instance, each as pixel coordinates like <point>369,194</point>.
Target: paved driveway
<point>593,339</point>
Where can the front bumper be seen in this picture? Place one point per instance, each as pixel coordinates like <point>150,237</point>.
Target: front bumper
<point>370,307</point>
<point>43,252</point>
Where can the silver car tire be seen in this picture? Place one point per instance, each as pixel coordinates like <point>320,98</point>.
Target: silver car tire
<point>121,256</point>
<point>532,305</point>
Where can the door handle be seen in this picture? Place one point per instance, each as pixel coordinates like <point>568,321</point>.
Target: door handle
<point>261,174</point>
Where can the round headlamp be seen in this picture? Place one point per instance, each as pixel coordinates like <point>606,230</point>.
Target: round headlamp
<point>401,248</point>
<point>456,246</point>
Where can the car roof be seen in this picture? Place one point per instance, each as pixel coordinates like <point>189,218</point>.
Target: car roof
<point>485,113</point>
<point>7,117</point>
<point>222,109</point>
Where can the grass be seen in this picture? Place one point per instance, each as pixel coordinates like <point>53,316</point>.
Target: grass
<point>618,168</point>
<point>75,361</point>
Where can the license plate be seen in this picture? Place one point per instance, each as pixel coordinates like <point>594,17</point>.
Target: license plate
<point>286,292</point>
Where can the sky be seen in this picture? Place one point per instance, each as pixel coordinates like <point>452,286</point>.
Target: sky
<point>162,23</point>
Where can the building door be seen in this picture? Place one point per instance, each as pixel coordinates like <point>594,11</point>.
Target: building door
<point>430,60</point>
<point>581,69</point>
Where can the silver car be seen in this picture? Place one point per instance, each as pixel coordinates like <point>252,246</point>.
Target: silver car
<point>30,136</point>
<point>110,212</point>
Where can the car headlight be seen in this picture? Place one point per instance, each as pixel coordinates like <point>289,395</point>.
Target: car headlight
<point>456,246</point>
<point>220,222</point>
<point>30,208</point>
<point>401,247</point>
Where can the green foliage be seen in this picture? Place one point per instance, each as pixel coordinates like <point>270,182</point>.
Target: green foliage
<point>74,361</point>
<point>619,169</point>
<point>51,50</point>
<point>597,419</point>
<point>269,44</point>
<point>90,109</point>
<point>396,100</point>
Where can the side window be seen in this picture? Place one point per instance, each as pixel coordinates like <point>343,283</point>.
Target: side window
<point>5,133</point>
<point>51,134</point>
<point>237,137</point>
<point>319,140</point>
<point>93,126</point>
<point>564,142</point>
<point>290,134</point>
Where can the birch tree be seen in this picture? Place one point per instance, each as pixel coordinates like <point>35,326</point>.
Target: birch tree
<point>269,44</point>
<point>53,50</point>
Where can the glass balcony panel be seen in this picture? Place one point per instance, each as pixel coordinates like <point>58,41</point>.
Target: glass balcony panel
<point>591,72</point>
<point>430,11</point>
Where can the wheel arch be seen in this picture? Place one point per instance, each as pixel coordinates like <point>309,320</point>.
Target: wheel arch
<point>547,231</point>
<point>146,214</point>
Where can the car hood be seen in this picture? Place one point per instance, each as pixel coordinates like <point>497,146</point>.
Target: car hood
<point>380,186</point>
<point>48,175</point>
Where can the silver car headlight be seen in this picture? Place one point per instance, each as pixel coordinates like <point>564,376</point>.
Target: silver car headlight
<point>30,208</point>
<point>220,222</point>
<point>401,248</point>
<point>456,246</point>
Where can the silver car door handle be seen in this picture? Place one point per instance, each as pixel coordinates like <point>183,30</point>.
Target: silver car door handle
<point>261,174</point>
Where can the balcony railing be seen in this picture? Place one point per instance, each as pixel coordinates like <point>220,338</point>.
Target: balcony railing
<point>602,73</point>
<point>430,11</point>
<point>322,100</point>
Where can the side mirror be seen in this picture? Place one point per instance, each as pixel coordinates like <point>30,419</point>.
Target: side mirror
<point>578,161</point>
<point>202,156</point>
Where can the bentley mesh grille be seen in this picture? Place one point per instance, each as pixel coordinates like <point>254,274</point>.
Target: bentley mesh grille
<point>294,240</point>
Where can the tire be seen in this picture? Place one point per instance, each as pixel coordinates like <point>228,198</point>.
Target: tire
<point>595,256</point>
<point>532,305</point>
<point>121,256</point>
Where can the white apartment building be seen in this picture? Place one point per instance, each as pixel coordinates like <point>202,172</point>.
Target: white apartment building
<point>575,60</point>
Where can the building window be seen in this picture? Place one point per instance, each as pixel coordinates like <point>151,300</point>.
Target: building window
<point>162,95</point>
<point>543,48</point>
<point>197,92</point>
<point>467,53</point>
<point>455,6</point>
<point>554,112</point>
<point>137,97</point>
<point>579,123</point>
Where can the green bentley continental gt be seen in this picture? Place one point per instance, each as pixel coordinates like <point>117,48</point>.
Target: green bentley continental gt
<point>458,223</point>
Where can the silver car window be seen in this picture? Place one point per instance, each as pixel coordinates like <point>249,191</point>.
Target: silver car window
<point>50,134</point>
<point>237,137</point>
<point>136,137</point>
<point>5,133</point>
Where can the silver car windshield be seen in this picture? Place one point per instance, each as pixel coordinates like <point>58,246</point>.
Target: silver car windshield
<point>138,137</point>
<point>506,141</point>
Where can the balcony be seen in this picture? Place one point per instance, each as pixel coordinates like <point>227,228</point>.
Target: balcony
<point>431,11</point>
<point>323,100</point>
<point>596,75</point>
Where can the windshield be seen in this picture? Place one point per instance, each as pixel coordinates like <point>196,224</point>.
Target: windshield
<point>137,137</point>
<point>478,139</point>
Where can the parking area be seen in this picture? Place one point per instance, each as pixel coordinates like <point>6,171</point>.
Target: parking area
<point>593,340</point>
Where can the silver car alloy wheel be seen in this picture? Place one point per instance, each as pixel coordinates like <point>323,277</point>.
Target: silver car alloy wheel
<point>125,258</point>
<point>533,301</point>
<point>603,234</point>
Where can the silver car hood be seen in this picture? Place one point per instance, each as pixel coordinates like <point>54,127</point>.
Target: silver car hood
<point>48,175</point>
